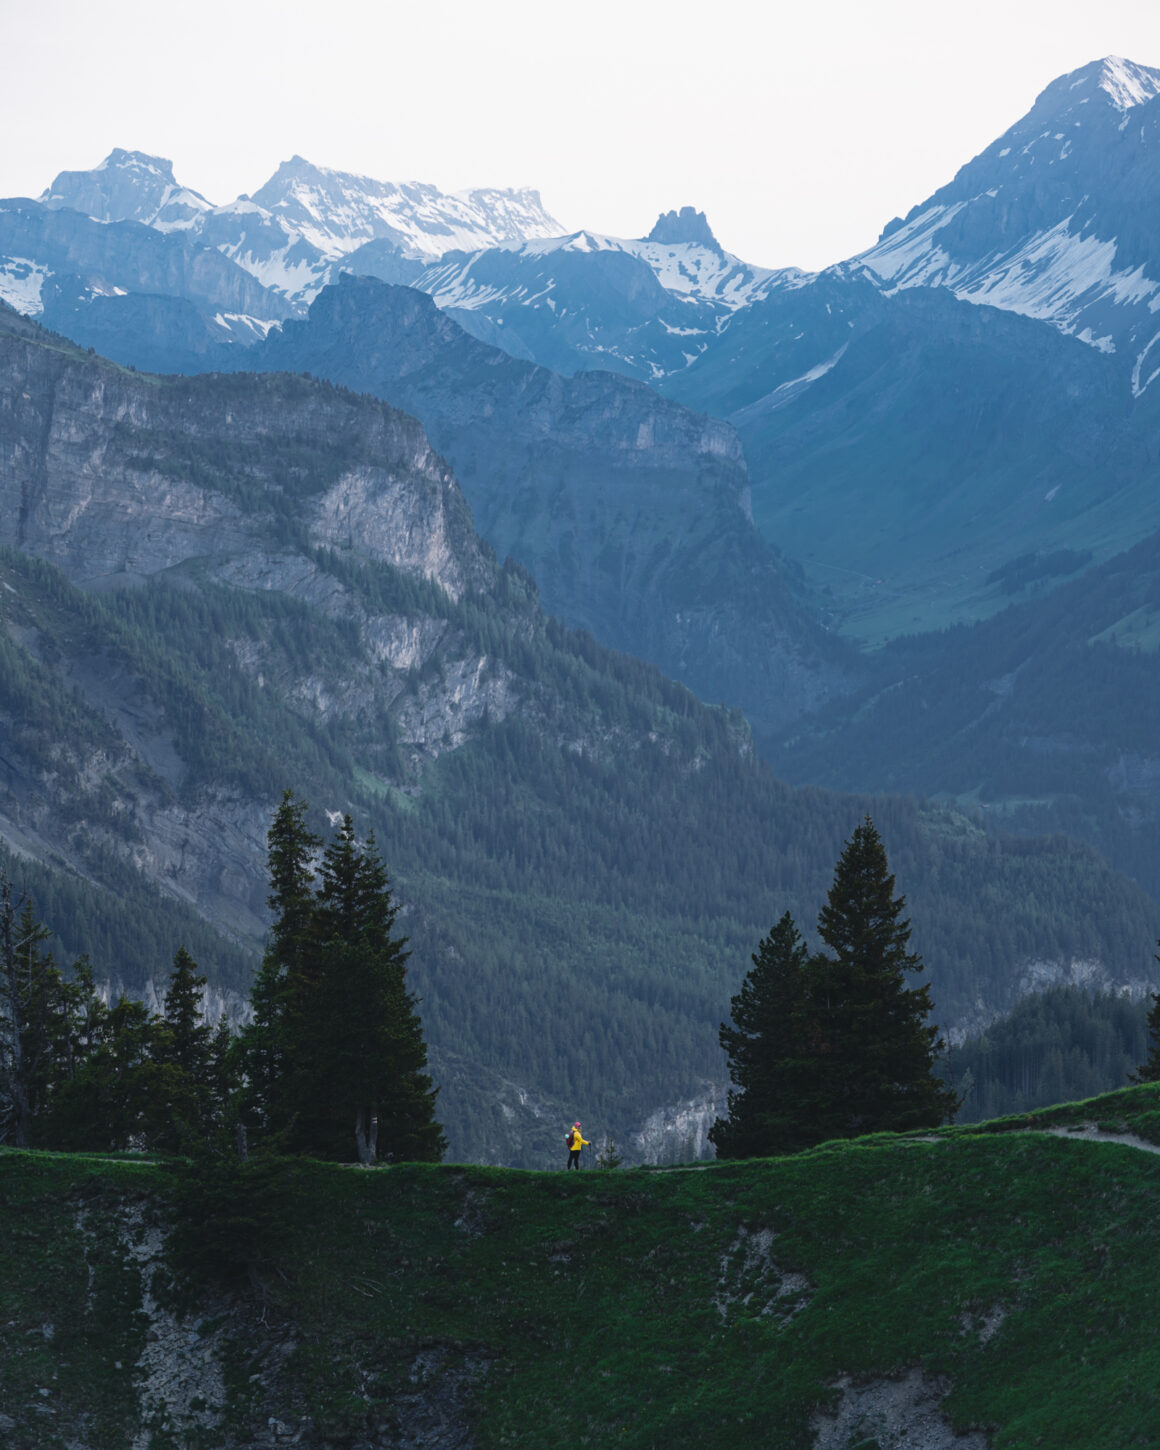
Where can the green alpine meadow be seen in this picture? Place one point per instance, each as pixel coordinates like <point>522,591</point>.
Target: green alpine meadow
<point>987,1286</point>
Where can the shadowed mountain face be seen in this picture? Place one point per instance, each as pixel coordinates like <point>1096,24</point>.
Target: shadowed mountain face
<point>140,295</point>
<point>903,447</point>
<point>1044,716</point>
<point>631,512</point>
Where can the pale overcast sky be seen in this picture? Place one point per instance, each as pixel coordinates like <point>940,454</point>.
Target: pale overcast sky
<point>800,129</point>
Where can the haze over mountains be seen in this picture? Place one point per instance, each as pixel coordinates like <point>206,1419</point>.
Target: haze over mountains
<point>743,475</point>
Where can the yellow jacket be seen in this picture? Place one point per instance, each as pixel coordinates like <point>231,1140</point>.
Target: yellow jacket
<point>577,1142</point>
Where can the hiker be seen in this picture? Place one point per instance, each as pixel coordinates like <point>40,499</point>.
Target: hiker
<point>575,1143</point>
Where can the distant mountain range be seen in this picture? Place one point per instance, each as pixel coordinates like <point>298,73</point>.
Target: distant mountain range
<point>944,441</point>
<point>960,420</point>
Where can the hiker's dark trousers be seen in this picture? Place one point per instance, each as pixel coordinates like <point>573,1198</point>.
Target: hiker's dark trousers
<point>573,1157</point>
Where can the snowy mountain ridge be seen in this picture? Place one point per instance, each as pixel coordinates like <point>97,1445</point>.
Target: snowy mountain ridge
<point>689,270</point>
<point>304,218</point>
<point>1050,220</point>
<point>291,232</point>
<point>129,186</point>
<point>338,211</point>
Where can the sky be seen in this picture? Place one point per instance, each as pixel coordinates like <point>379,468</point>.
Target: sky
<point>799,129</point>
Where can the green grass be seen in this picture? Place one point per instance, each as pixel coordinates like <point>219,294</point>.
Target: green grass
<point>632,1308</point>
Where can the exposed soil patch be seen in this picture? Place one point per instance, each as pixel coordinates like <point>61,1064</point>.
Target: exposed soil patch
<point>893,1414</point>
<point>751,1283</point>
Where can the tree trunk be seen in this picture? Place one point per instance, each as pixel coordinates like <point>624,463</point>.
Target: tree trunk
<point>366,1133</point>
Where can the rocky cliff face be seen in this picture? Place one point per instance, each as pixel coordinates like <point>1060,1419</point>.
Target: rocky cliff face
<point>103,472</point>
<point>632,513</point>
<point>116,478</point>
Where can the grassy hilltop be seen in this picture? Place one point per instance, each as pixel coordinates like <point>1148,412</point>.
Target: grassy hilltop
<point>989,1280</point>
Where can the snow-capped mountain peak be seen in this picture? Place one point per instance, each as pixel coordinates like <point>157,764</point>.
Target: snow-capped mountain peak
<point>1127,83</point>
<point>1054,219</point>
<point>338,211</point>
<point>129,186</point>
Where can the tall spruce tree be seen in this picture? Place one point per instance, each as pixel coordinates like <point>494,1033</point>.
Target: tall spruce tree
<point>334,1060</point>
<point>771,1046</point>
<point>353,1028</point>
<point>261,1048</point>
<point>833,1044</point>
<point>185,1048</point>
<point>878,1048</point>
<point>1149,1071</point>
<point>49,1024</point>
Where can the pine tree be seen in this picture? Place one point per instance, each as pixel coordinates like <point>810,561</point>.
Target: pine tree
<point>879,1051</point>
<point>189,1032</point>
<point>610,1157</point>
<point>1149,1071</point>
<point>261,1049</point>
<point>122,1096</point>
<point>335,1054</point>
<point>772,1050</point>
<point>14,1096</point>
<point>46,1022</point>
<point>352,1026</point>
<point>185,1049</point>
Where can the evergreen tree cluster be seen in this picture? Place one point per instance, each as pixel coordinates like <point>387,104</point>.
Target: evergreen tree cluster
<point>333,1061</point>
<point>335,1054</point>
<point>1061,1045</point>
<point>833,1044</point>
<point>80,1075</point>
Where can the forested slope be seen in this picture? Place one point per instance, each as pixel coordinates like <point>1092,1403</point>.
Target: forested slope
<point>282,589</point>
<point>1043,716</point>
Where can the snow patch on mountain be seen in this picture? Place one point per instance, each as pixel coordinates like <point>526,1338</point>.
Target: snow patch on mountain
<point>792,388</point>
<point>1127,83</point>
<point>1051,220</point>
<point>689,270</point>
<point>1055,275</point>
<point>21,284</point>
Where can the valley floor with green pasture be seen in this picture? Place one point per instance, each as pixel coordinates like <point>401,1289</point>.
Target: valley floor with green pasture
<point>995,1285</point>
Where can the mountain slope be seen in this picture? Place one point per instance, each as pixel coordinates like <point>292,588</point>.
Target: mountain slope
<point>1043,716</point>
<point>742,1305</point>
<point>630,512</point>
<point>282,589</point>
<point>146,296</point>
<point>645,308</point>
<point>904,446</point>
<point>1054,219</point>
